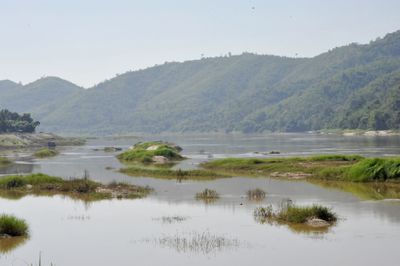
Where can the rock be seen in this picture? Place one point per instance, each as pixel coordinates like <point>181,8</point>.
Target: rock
<point>315,222</point>
<point>274,152</point>
<point>29,186</point>
<point>153,148</point>
<point>160,159</point>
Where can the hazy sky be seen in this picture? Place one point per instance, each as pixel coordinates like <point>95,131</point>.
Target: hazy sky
<point>87,41</point>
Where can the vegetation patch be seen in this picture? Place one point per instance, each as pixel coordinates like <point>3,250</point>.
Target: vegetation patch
<point>256,194</point>
<point>171,219</point>
<point>328,167</point>
<point>4,161</point>
<point>152,152</point>
<point>179,174</point>
<point>45,153</point>
<point>11,226</point>
<point>313,216</point>
<point>195,242</point>
<point>207,195</point>
<point>82,188</point>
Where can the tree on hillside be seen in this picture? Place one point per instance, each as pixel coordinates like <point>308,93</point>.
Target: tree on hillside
<point>13,122</point>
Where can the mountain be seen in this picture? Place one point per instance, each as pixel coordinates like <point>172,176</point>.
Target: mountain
<point>354,86</point>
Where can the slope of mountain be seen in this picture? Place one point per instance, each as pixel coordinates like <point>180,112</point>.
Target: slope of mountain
<point>355,86</point>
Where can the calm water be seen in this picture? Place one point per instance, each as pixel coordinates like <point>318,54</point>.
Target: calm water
<point>132,232</point>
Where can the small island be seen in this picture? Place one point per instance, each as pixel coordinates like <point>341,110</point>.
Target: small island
<point>154,152</point>
<point>78,188</point>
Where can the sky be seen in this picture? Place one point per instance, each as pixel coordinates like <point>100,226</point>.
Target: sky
<point>88,41</point>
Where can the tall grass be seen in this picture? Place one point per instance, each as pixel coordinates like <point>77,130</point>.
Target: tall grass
<point>12,226</point>
<point>374,169</point>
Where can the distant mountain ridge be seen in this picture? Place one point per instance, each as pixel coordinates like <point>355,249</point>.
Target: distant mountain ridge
<point>354,86</point>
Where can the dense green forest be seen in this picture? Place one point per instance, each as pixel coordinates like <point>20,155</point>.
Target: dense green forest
<point>13,122</point>
<point>351,87</point>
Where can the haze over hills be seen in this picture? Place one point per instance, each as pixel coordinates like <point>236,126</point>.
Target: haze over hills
<point>354,86</point>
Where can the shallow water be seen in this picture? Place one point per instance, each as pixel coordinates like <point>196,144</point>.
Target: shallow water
<point>130,232</point>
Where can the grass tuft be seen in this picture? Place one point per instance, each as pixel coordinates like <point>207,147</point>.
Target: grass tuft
<point>12,226</point>
<point>292,214</point>
<point>207,194</point>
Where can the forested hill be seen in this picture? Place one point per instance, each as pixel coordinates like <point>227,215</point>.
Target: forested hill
<point>355,86</point>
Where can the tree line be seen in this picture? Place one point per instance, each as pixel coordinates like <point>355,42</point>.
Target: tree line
<point>11,122</point>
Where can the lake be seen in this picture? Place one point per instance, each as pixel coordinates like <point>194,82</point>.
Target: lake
<point>170,227</point>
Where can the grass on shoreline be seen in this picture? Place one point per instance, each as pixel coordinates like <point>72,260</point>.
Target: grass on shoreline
<point>198,174</point>
<point>83,189</point>
<point>12,226</point>
<point>45,153</point>
<point>352,168</point>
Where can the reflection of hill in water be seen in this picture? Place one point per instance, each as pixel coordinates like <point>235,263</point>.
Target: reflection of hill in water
<point>16,169</point>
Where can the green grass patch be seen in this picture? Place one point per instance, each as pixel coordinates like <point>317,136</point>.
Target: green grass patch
<point>310,166</point>
<point>292,214</point>
<point>45,153</point>
<point>82,188</point>
<point>12,226</point>
<point>374,169</point>
<point>4,161</point>
<point>145,152</point>
<point>329,167</point>
<point>197,174</point>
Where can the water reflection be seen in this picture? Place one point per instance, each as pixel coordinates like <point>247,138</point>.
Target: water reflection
<point>9,244</point>
<point>365,191</point>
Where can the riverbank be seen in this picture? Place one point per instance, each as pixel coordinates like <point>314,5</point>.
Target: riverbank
<point>34,140</point>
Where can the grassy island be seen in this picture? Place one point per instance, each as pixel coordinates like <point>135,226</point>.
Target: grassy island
<point>152,152</point>
<point>45,153</point>
<point>313,216</point>
<point>84,189</point>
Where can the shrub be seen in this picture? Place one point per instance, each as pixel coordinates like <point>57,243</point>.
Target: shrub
<point>12,226</point>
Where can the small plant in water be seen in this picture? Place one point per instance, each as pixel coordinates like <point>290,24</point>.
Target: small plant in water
<point>196,242</point>
<point>171,219</point>
<point>256,194</point>
<point>207,194</point>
